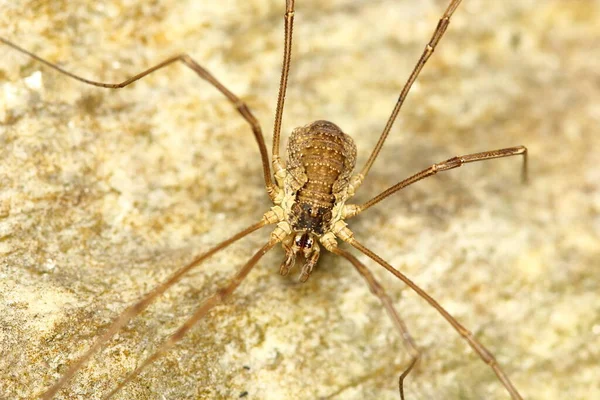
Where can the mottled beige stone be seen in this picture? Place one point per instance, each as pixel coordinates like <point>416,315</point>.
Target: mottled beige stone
<point>104,193</point>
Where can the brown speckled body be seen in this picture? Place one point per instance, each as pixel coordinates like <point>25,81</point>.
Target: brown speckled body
<point>320,159</point>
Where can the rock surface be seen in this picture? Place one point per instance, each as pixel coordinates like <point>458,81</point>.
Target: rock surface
<point>104,193</point>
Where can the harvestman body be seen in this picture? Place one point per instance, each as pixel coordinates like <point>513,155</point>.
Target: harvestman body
<point>309,193</point>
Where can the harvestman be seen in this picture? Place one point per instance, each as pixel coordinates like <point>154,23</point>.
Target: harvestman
<point>309,195</point>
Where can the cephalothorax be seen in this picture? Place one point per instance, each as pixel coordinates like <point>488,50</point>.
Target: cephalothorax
<point>310,196</point>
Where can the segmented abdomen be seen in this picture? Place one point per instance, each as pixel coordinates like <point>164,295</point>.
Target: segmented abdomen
<point>327,156</point>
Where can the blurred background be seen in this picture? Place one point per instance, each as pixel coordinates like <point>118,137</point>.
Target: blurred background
<point>104,193</point>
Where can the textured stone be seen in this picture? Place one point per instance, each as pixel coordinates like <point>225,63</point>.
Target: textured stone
<point>105,193</point>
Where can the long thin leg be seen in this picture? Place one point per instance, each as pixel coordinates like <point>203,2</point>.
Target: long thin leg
<point>141,305</point>
<point>479,348</point>
<point>429,48</point>
<point>239,105</point>
<point>287,53</point>
<point>378,291</point>
<point>208,304</point>
<point>451,163</point>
